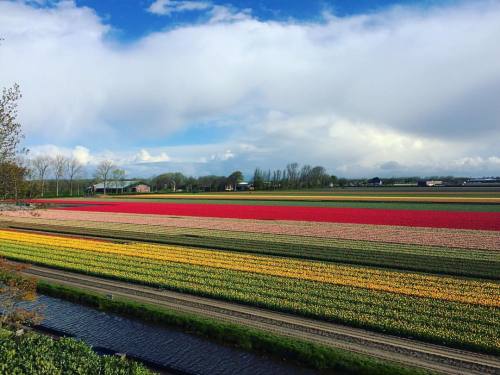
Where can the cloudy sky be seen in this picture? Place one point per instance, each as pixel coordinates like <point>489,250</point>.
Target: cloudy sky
<point>363,88</point>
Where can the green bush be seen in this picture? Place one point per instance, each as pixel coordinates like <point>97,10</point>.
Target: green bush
<point>37,354</point>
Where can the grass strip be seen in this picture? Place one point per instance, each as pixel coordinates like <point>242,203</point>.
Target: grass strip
<point>304,353</point>
<point>433,206</point>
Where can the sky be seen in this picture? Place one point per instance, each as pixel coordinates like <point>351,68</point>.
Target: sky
<point>363,88</point>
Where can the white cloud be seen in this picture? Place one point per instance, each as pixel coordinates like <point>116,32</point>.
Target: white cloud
<point>220,13</point>
<point>414,86</point>
<point>226,155</point>
<point>82,154</point>
<point>145,157</point>
<point>215,13</point>
<point>167,7</point>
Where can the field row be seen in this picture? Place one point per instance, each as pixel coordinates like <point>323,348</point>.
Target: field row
<point>378,196</point>
<point>470,239</point>
<point>412,218</point>
<point>443,309</point>
<point>390,205</point>
<point>452,261</point>
<point>446,288</point>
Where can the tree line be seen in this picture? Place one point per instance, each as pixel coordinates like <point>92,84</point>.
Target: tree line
<point>293,176</point>
<point>59,175</point>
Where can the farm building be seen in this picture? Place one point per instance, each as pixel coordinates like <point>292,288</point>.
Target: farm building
<point>374,182</point>
<point>240,186</point>
<point>126,186</point>
<point>486,181</point>
<point>429,183</point>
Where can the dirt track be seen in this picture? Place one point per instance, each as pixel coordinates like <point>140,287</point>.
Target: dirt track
<point>410,352</point>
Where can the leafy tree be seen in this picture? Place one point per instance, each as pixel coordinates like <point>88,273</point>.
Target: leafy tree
<point>191,184</point>
<point>235,178</point>
<point>212,183</point>
<point>343,182</point>
<point>334,180</point>
<point>10,128</point>
<point>258,179</point>
<point>11,180</point>
<point>11,174</point>
<point>318,177</point>
<point>171,180</point>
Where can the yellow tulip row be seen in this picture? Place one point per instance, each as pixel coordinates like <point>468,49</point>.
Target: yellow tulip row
<point>486,293</point>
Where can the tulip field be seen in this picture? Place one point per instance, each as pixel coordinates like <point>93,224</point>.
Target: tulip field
<point>458,260</point>
<point>428,274</point>
<point>418,218</point>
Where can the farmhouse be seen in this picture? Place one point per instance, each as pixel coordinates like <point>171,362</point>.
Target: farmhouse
<point>125,186</point>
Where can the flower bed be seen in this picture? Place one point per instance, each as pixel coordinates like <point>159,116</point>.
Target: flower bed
<point>472,239</point>
<point>412,218</point>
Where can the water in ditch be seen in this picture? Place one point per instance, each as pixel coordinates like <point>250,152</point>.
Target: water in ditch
<point>170,349</point>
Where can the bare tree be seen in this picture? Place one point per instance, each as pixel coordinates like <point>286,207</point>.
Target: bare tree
<point>118,178</point>
<point>60,167</point>
<point>30,175</point>
<point>42,166</point>
<point>75,169</point>
<point>292,172</point>
<point>103,172</point>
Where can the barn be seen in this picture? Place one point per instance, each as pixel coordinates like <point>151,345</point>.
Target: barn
<point>116,187</point>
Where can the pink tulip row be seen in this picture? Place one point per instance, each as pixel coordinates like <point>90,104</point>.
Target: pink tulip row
<point>473,239</point>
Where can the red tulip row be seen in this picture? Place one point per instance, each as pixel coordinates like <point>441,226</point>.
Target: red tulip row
<point>411,218</point>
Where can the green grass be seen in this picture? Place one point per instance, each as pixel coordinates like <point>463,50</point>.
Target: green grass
<point>433,259</point>
<point>319,357</point>
<point>471,207</point>
<point>453,323</point>
<point>367,191</point>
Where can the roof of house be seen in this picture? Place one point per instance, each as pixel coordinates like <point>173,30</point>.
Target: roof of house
<point>119,184</point>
